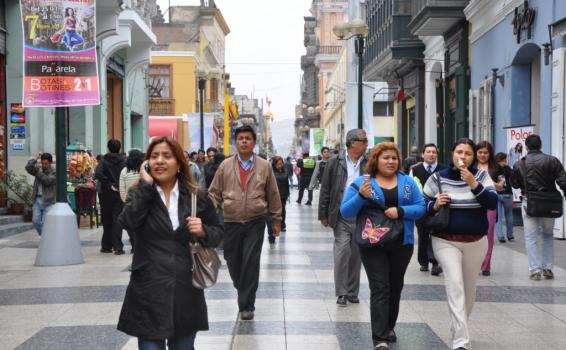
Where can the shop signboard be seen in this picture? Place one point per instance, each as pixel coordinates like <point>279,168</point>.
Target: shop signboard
<point>60,62</point>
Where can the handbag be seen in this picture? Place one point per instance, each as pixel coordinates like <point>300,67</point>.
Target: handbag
<point>438,221</point>
<point>539,203</point>
<point>374,228</point>
<point>206,262</point>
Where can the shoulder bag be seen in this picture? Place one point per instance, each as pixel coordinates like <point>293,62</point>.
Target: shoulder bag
<point>206,262</point>
<point>539,203</point>
<point>438,221</point>
<point>373,227</point>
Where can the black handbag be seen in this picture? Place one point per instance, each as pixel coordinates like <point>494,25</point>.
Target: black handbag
<point>373,228</point>
<point>438,221</point>
<point>541,204</point>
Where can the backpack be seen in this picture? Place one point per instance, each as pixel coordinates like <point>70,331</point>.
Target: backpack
<point>321,167</point>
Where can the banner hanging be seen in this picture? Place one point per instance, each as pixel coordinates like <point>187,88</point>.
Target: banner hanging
<point>60,63</point>
<point>316,141</point>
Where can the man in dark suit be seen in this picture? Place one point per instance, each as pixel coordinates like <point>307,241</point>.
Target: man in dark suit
<point>423,171</point>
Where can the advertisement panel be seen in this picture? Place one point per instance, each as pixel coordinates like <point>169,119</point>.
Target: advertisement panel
<point>516,149</point>
<point>316,136</point>
<point>60,63</point>
<point>210,136</point>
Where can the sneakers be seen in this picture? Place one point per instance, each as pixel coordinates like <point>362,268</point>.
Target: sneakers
<point>536,276</point>
<point>247,315</point>
<point>547,273</point>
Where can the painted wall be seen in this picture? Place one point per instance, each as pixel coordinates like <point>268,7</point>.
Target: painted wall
<point>183,81</point>
<point>499,44</point>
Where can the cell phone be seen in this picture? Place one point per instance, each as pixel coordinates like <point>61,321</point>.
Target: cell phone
<point>147,168</point>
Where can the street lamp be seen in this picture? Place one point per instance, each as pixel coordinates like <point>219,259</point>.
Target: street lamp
<point>359,29</point>
<point>202,76</point>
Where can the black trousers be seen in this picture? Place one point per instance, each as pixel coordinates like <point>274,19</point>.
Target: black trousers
<point>110,208</point>
<point>385,268</point>
<point>304,184</point>
<point>242,251</point>
<point>425,254</point>
<point>283,212</point>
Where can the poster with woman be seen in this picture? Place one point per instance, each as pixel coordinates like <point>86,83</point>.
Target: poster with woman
<point>60,62</point>
<point>516,149</point>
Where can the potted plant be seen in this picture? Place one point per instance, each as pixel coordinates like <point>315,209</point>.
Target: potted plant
<point>19,186</point>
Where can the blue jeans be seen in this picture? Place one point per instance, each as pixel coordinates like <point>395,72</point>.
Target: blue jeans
<point>504,205</point>
<point>38,212</point>
<point>535,226</point>
<point>179,343</point>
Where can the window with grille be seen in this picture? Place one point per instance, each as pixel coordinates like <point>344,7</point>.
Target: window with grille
<point>159,81</point>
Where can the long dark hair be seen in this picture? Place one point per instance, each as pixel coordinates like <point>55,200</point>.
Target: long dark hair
<point>184,176</point>
<point>274,161</point>
<point>134,161</point>
<point>492,167</point>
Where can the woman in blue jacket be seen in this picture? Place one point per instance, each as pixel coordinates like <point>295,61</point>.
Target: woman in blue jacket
<point>386,265</point>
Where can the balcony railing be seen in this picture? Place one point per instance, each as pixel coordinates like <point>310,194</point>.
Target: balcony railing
<point>329,49</point>
<point>161,106</point>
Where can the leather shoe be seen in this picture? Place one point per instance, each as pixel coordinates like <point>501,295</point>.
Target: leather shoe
<point>308,203</point>
<point>119,252</point>
<point>247,315</point>
<point>104,250</point>
<point>353,299</point>
<point>424,268</point>
<point>436,270</point>
<point>342,301</point>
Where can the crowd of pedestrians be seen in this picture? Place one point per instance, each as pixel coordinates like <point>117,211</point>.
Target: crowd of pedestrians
<point>151,196</point>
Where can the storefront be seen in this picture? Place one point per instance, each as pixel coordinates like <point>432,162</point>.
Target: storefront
<point>3,108</point>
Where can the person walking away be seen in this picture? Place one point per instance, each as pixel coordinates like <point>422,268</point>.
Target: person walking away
<point>412,159</point>
<point>44,187</point>
<point>129,176</point>
<point>211,167</point>
<point>461,247</point>
<point>386,265</point>
<point>422,172</point>
<point>504,198</point>
<point>161,304</point>
<point>319,168</point>
<point>307,165</point>
<point>338,175</point>
<point>246,186</point>
<point>289,171</point>
<point>541,172</point>
<point>108,173</point>
<point>485,160</point>
<point>283,187</point>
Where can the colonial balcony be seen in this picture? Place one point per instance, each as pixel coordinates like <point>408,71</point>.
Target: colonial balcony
<point>390,43</point>
<point>329,49</point>
<point>161,107</point>
<point>436,17</point>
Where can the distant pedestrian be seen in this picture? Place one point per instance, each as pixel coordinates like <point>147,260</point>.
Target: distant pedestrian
<point>386,265</point>
<point>319,168</point>
<point>541,173</point>
<point>161,306</point>
<point>411,160</point>
<point>283,186</point>
<point>196,174</point>
<point>44,187</point>
<point>485,160</point>
<point>211,167</point>
<point>210,152</point>
<point>339,173</point>
<point>108,173</point>
<point>422,172</point>
<point>307,165</point>
<point>201,160</point>
<point>462,246</point>
<point>246,186</point>
<point>505,198</point>
<point>129,176</point>
<point>289,171</point>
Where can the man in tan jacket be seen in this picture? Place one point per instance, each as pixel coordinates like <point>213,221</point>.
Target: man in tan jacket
<point>247,187</point>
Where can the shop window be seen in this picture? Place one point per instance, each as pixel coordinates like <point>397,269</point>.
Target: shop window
<point>159,81</point>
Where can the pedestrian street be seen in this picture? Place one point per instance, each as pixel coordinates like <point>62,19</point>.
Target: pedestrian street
<point>77,307</point>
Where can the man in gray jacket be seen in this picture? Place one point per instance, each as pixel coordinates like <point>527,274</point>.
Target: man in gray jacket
<point>44,186</point>
<point>339,173</point>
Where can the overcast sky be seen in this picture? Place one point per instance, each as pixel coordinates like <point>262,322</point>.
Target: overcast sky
<point>264,48</point>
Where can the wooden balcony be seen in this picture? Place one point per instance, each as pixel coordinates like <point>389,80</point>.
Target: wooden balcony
<point>436,17</point>
<point>161,106</point>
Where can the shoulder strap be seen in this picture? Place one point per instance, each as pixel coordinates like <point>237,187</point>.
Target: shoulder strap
<point>437,178</point>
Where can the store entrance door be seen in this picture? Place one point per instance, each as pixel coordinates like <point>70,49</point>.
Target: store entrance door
<point>115,119</point>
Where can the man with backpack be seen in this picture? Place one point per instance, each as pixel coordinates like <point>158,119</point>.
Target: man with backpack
<point>316,178</point>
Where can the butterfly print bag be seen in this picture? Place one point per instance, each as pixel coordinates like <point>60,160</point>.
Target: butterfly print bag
<point>373,228</point>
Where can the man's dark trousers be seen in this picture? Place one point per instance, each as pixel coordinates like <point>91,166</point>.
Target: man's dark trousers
<point>425,253</point>
<point>111,206</point>
<point>242,251</point>
<point>304,184</point>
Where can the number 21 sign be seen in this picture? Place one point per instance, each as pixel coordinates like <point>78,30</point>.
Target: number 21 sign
<point>60,64</point>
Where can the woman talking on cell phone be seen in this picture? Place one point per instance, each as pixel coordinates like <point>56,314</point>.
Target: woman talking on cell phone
<point>161,305</point>
<point>461,247</point>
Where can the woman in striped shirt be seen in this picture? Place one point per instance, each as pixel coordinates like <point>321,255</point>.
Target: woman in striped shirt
<point>461,247</point>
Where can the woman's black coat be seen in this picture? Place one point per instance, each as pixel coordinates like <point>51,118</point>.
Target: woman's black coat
<point>161,301</point>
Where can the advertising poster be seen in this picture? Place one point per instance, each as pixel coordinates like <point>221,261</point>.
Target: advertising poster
<point>516,149</point>
<point>17,127</point>
<point>60,65</point>
<point>317,141</point>
<point>210,137</point>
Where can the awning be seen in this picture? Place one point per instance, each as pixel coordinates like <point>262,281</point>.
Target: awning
<point>163,127</point>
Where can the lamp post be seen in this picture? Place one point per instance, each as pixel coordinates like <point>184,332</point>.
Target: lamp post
<point>202,75</point>
<point>358,29</point>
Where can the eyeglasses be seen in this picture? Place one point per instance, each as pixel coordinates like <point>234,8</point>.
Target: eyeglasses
<point>361,140</point>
